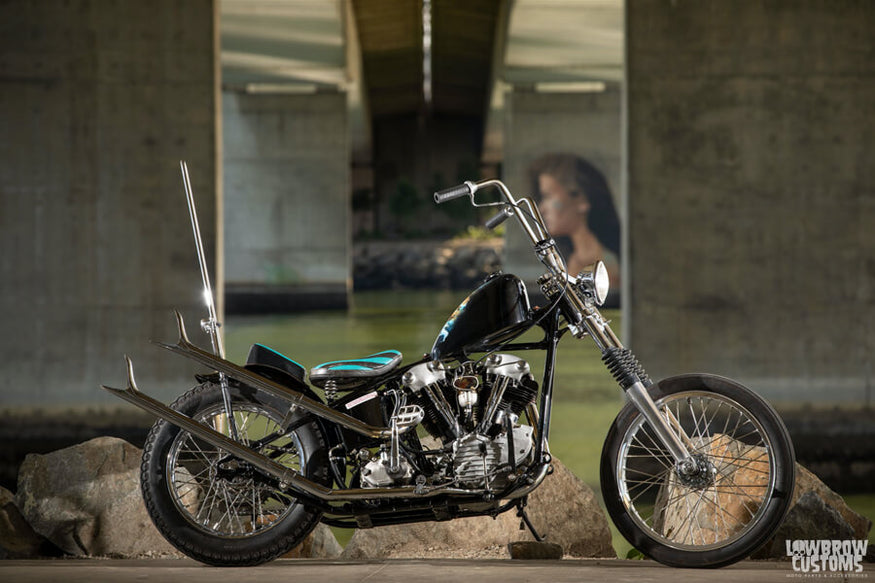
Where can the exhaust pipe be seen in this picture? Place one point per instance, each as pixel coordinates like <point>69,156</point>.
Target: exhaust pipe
<point>185,348</point>
<point>288,478</point>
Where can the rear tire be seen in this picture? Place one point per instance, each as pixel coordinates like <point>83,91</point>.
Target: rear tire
<point>731,505</point>
<point>216,509</point>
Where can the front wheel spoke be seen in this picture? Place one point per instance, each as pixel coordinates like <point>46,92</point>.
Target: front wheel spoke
<point>658,455</point>
<point>645,484</point>
<point>638,489</point>
<point>728,463</point>
<point>732,491</point>
<point>696,430</point>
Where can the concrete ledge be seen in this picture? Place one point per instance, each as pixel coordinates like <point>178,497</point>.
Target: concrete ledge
<point>280,299</point>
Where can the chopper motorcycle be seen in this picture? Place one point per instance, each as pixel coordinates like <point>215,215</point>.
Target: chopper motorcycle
<point>696,470</point>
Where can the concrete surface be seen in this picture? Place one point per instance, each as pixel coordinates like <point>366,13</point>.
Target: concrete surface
<point>750,197</point>
<point>99,103</point>
<point>286,206</point>
<point>395,571</point>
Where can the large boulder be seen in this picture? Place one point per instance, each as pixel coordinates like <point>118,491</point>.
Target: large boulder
<point>17,539</point>
<point>816,512</point>
<point>86,500</point>
<point>563,509</point>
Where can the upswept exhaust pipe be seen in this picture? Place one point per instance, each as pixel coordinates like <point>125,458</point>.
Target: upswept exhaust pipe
<point>287,477</point>
<point>185,348</point>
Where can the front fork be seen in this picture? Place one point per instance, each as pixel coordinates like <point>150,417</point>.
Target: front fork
<point>630,375</point>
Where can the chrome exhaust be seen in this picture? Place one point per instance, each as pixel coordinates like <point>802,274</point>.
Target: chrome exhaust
<point>288,478</point>
<point>185,348</point>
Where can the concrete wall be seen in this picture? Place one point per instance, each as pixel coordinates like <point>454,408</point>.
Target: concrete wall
<point>98,103</point>
<point>586,124</point>
<point>287,201</point>
<point>752,192</point>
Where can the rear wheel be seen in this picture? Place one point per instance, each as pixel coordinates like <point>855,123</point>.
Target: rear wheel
<point>215,508</point>
<point>722,508</point>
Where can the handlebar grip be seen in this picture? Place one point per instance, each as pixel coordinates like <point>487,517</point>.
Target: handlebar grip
<point>499,217</point>
<point>464,189</point>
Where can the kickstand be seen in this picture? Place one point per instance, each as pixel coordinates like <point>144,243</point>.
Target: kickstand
<point>521,512</point>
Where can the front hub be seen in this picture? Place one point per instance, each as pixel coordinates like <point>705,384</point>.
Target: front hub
<point>696,472</point>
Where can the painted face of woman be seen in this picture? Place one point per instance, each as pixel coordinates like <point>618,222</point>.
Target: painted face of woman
<point>563,212</point>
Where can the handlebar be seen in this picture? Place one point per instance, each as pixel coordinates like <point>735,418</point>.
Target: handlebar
<point>525,210</point>
<point>464,189</point>
<point>499,218</point>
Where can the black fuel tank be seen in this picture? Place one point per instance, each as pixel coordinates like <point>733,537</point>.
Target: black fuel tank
<point>496,312</point>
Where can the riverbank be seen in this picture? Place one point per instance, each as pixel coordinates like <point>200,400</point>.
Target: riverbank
<point>431,264</point>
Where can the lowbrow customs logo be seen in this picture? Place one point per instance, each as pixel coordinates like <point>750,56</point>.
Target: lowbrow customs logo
<point>824,557</point>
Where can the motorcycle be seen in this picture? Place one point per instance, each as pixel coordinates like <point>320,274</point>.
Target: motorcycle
<point>696,470</point>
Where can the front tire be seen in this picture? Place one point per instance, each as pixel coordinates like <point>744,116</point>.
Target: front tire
<point>734,501</point>
<point>215,508</point>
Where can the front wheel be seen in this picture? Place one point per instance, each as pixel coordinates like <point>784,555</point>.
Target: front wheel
<point>215,508</point>
<point>730,504</point>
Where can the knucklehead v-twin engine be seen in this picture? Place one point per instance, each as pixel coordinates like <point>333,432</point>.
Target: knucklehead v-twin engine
<point>474,410</point>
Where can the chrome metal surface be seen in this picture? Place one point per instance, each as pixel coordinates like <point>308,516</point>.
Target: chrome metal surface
<point>436,396</point>
<point>211,326</point>
<point>668,437</point>
<point>507,365</point>
<point>498,389</point>
<point>424,374</point>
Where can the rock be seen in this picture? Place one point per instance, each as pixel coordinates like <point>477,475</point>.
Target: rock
<point>457,264</point>
<point>816,512</point>
<point>724,512</point>
<point>534,551</point>
<point>319,544</point>
<point>86,500</point>
<point>17,539</point>
<point>563,509</point>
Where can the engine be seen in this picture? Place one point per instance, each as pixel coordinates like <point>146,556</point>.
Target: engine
<point>473,411</point>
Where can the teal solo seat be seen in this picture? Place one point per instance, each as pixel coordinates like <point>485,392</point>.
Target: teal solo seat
<point>345,373</point>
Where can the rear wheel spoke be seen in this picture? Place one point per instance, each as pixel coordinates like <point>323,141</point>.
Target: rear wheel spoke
<point>230,499</point>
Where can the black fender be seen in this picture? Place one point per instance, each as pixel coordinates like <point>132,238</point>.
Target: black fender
<point>330,431</point>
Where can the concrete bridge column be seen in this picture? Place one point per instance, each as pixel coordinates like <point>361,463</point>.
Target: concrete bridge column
<point>752,193</point>
<point>98,103</point>
<point>287,201</point>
